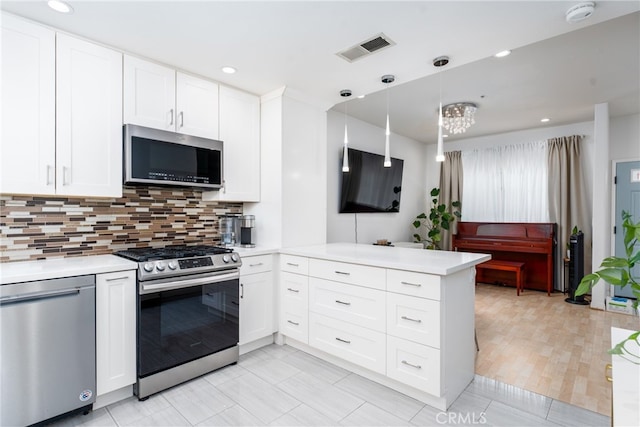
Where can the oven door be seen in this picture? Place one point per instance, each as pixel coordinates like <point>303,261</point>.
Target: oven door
<point>183,319</point>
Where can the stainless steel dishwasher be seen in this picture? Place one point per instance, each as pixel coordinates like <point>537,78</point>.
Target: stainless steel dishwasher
<point>47,349</point>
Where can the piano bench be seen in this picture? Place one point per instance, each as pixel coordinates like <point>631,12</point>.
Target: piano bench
<point>516,267</point>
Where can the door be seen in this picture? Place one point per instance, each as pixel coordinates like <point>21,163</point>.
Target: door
<point>88,119</point>
<point>28,78</point>
<point>628,200</point>
<point>149,94</point>
<point>197,106</point>
<point>256,307</point>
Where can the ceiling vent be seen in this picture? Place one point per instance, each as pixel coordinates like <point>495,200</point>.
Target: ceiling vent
<point>367,47</point>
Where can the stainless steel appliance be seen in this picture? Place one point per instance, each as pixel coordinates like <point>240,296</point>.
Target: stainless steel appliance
<point>48,349</point>
<point>188,313</point>
<point>158,157</point>
<point>247,226</point>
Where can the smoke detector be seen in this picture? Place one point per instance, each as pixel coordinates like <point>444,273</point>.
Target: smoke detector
<point>580,12</point>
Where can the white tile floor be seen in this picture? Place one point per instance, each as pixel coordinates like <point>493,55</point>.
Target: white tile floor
<point>281,386</point>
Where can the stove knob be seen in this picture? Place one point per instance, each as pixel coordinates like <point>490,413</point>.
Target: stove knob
<point>148,267</point>
<point>234,257</point>
<point>225,259</point>
<point>173,265</point>
<point>160,266</point>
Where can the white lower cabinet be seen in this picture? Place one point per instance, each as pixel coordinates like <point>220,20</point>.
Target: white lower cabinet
<point>294,306</point>
<point>385,321</point>
<point>362,346</point>
<point>256,298</point>
<point>354,304</point>
<point>115,330</point>
<point>414,319</point>
<point>414,364</point>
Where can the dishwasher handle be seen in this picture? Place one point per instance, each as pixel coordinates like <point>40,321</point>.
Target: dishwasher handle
<point>38,296</point>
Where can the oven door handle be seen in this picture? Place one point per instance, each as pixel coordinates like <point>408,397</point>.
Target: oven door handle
<point>185,283</point>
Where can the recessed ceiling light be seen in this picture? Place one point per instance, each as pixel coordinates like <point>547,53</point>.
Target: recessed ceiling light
<point>545,120</point>
<point>445,136</point>
<point>228,70</point>
<point>60,6</point>
<point>502,54</point>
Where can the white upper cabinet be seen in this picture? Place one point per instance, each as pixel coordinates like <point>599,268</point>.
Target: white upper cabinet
<point>61,114</point>
<point>27,147</point>
<point>161,98</point>
<point>197,106</point>
<point>240,132</point>
<point>88,119</point>
<point>149,94</point>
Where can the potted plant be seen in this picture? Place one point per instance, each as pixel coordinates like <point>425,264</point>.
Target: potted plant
<point>617,272</point>
<point>440,218</point>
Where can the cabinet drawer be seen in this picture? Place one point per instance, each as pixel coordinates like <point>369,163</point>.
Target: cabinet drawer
<point>414,319</point>
<point>355,274</point>
<point>414,364</point>
<point>361,306</point>
<point>295,324</point>
<point>355,344</point>
<point>256,264</point>
<point>415,284</point>
<point>294,291</point>
<point>294,264</point>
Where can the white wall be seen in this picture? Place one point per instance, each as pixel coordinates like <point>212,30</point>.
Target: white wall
<point>373,226</point>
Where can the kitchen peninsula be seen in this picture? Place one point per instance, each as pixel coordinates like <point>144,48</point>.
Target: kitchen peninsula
<point>399,316</point>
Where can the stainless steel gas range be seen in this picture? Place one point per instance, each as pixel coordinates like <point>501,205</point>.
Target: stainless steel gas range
<point>188,313</point>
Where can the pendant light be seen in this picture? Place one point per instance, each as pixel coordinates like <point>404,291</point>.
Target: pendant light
<point>440,61</point>
<point>345,152</point>
<point>387,79</point>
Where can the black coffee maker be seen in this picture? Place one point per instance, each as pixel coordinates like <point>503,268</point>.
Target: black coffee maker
<point>247,226</point>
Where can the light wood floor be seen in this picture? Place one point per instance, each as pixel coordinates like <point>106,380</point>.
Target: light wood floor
<point>545,345</point>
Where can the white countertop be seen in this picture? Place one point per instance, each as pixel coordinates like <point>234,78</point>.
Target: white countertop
<point>28,271</point>
<point>258,250</point>
<point>421,260</point>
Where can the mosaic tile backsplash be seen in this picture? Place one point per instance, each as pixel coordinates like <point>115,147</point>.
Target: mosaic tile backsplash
<point>34,227</point>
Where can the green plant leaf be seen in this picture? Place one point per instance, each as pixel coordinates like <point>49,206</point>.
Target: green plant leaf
<point>614,262</point>
<point>435,192</point>
<point>417,224</point>
<point>456,204</point>
<point>422,216</point>
<point>615,276</point>
<point>587,283</point>
<point>442,209</point>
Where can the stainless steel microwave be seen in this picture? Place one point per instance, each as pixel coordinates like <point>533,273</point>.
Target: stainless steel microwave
<point>158,157</point>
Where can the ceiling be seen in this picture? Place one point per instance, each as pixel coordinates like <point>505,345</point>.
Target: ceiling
<point>557,70</point>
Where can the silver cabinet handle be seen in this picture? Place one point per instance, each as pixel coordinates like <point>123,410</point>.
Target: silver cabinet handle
<point>117,278</point>
<point>65,172</point>
<point>171,117</point>
<point>417,285</point>
<point>411,320</point>
<point>342,302</point>
<point>293,290</point>
<point>181,119</point>
<point>241,290</point>
<point>344,341</point>
<point>293,323</point>
<point>342,272</point>
<point>293,265</point>
<point>404,362</point>
<point>48,175</point>
<point>256,265</point>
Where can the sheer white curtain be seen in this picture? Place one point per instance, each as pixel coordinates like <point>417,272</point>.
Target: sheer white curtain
<point>506,184</point>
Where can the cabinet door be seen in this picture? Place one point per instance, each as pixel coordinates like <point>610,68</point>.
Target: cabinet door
<point>197,106</point>
<point>115,330</point>
<point>88,119</point>
<point>256,306</point>
<point>240,131</point>
<point>27,158</point>
<point>149,94</point>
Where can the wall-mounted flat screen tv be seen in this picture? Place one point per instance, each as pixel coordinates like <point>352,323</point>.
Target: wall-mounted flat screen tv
<point>369,186</point>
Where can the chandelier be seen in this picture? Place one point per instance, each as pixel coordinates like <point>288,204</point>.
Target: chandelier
<point>458,117</point>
